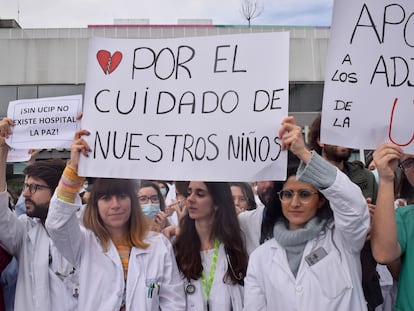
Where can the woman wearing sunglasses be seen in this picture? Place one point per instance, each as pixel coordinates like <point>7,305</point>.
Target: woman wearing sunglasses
<point>313,261</point>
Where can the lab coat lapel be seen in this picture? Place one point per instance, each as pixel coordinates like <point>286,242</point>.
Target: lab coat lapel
<point>39,240</point>
<point>138,263</point>
<point>113,254</point>
<point>221,268</point>
<point>279,258</point>
<point>35,232</point>
<point>303,267</point>
<point>40,243</point>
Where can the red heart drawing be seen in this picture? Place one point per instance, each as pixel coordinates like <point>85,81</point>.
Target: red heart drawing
<point>107,62</point>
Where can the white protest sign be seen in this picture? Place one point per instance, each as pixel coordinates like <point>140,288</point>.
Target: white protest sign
<point>18,155</point>
<point>368,94</point>
<point>44,122</point>
<point>204,108</point>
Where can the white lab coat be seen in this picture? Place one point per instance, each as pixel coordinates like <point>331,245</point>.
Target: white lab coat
<point>331,284</point>
<point>38,287</point>
<point>101,276</point>
<point>251,226</point>
<point>223,296</point>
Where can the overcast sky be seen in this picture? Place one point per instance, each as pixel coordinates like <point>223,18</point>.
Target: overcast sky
<point>81,13</point>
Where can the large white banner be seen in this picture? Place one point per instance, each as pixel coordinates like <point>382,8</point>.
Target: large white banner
<point>204,108</point>
<point>44,122</point>
<point>369,94</point>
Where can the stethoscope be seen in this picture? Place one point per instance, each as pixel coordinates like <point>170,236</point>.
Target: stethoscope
<point>190,288</point>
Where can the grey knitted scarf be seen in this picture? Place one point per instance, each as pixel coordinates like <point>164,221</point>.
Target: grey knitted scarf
<point>294,241</point>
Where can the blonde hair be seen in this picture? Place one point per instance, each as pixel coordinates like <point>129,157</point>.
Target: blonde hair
<point>137,223</point>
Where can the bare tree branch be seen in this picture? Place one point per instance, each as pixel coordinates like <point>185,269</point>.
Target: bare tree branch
<point>250,9</point>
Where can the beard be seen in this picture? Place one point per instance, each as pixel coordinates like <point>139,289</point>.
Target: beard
<point>265,193</point>
<point>336,153</point>
<point>38,210</point>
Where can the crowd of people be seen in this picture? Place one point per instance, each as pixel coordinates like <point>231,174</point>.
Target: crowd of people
<point>322,239</point>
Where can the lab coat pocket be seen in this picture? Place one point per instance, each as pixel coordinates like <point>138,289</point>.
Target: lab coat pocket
<point>332,277</point>
<point>152,287</point>
<point>220,298</point>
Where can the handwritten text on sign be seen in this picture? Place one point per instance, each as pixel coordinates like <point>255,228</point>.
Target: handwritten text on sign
<point>204,108</point>
<point>44,122</point>
<point>369,83</point>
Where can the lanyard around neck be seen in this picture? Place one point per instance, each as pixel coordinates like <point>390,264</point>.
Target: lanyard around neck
<point>207,282</point>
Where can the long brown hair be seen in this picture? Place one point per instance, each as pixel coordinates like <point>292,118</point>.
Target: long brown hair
<point>225,228</point>
<point>138,225</point>
<point>247,191</point>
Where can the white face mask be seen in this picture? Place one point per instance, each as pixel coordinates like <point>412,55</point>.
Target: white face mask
<point>163,191</point>
<point>150,210</point>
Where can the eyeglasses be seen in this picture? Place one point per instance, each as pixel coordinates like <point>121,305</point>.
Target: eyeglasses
<point>144,199</point>
<point>34,187</point>
<point>304,195</point>
<point>407,164</point>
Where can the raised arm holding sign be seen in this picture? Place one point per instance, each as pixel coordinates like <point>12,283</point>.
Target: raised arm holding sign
<point>44,122</point>
<point>187,108</point>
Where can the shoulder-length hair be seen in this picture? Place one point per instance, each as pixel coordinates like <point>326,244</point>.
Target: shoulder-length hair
<point>247,192</point>
<point>137,223</point>
<point>225,228</point>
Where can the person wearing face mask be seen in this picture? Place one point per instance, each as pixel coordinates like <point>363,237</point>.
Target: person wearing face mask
<point>152,205</point>
<point>164,188</point>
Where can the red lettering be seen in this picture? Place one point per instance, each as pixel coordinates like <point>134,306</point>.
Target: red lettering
<point>391,123</point>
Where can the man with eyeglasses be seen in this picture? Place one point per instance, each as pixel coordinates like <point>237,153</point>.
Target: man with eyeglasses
<point>45,280</point>
<point>365,179</point>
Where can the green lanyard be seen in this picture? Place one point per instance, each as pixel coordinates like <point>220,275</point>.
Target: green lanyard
<point>206,283</point>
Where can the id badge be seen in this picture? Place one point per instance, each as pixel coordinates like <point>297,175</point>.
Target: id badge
<point>316,256</point>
